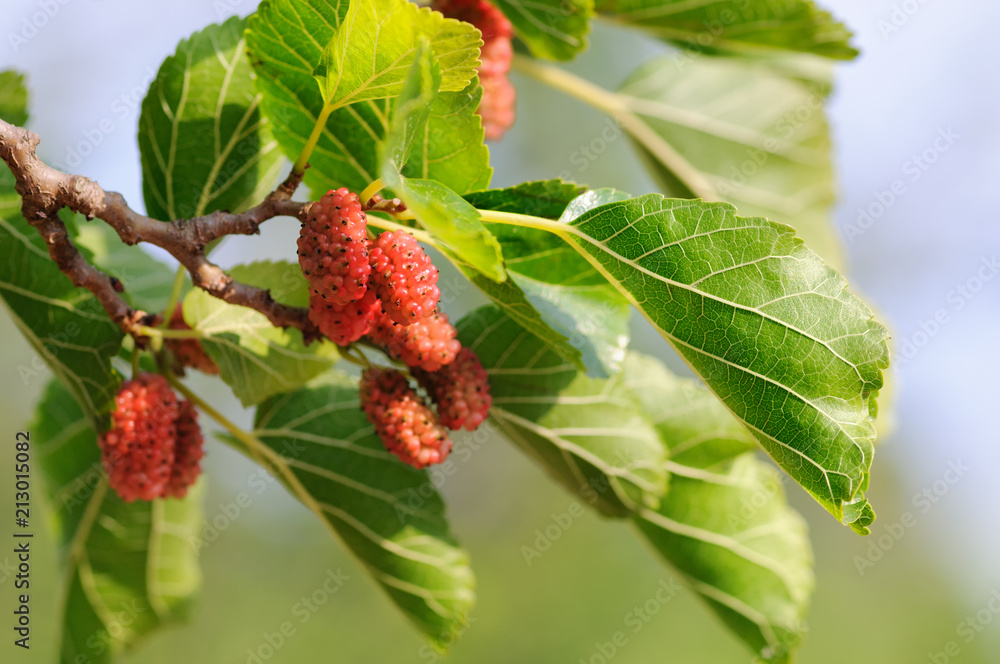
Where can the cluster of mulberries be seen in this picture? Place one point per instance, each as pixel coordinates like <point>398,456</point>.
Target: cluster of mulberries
<point>154,446</point>
<point>497,105</point>
<point>385,289</point>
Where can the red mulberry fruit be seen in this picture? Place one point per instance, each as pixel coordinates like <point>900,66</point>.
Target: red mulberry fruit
<point>461,391</point>
<point>429,343</point>
<point>344,324</point>
<point>497,108</point>
<point>333,248</point>
<point>138,450</point>
<point>497,105</point>
<point>404,277</point>
<point>407,426</point>
<point>188,352</point>
<point>188,452</point>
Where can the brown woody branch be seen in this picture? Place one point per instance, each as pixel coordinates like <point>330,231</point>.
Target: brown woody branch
<point>45,190</point>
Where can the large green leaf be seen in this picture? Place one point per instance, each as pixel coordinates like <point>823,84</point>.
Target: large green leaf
<point>743,26</point>
<point>374,46</point>
<point>363,493</point>
<point>286,39</point>
<point>771,330</point>
<point>760,137</point>
<point>129,568</point>
<point>586,433</point>
<point>203,142</point>
<point>66,326</point>
<point>553,29</point>
<point>725,524</point>
<point>255,358</point>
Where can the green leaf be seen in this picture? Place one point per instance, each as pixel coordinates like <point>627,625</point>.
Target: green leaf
<point>410,111</point>
<point>771,330</point>
<point>450,148</point>
<point>129,568</point>
<point>586,433</point>
<point>386,513</point>
<point>284,53</point>
<point>725,525</point>
<point>65,325</point>
<point>455,225</point>
<point>375,45</point>
<point>13,98</point>
<point>552,29</point>
<point>760,137</point>
<point>256,359</point>
<point>741,26</point>
<point>147,281</point>
<point>540,198</point>
<point>203,142</point>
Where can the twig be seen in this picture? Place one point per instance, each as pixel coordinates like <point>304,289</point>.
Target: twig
<point>45,190</point>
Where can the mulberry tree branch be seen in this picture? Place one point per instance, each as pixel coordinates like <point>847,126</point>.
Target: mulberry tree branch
<point>45,190</point>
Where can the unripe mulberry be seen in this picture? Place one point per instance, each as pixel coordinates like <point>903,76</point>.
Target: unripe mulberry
<point>138,450</point>
<point>344,324</point>
<point>188,352</point>
<point>333,248</point>
<point>405,423</point>
<point>429,343</point>
<point>188,452</point>
<point>403,277</point>
<point>460,390</point>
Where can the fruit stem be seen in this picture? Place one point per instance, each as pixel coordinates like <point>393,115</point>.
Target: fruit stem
<point>307,150</point>
<point>617,107</point>
<point>422,236</point>
<point>372,189</point>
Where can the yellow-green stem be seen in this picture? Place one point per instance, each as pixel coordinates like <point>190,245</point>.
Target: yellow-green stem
<point>307,150</point>
<point>158,333</point>
<point>422,236</point>
<point>372,189</point>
